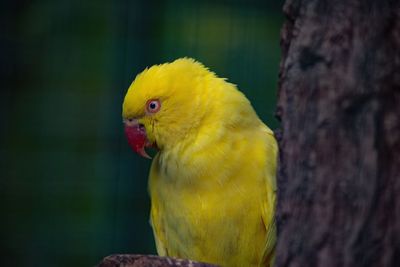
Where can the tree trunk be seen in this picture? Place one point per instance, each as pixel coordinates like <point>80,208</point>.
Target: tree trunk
<point>339,104</point>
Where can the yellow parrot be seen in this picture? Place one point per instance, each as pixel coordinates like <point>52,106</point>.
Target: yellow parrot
<point>212,183</point>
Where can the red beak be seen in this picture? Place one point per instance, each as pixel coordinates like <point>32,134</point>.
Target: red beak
<point>137,138</point>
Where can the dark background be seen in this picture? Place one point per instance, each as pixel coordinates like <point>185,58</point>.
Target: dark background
<point>71,191</point>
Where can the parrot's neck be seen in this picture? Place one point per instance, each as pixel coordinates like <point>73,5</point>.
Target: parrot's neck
<point>198,160</point>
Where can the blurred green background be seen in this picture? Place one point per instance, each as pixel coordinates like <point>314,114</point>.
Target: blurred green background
<point>71,189</point>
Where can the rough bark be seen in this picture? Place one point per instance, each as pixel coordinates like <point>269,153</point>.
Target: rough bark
<point>136,260</point>
<point>339,104</point>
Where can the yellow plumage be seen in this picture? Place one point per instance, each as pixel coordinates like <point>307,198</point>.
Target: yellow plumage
<point>212,184</point>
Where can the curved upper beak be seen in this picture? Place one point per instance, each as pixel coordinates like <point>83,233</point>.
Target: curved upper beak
<point>137,137</point>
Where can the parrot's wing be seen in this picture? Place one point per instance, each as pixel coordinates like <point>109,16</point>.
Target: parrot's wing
<point>158,232</point>
<point>268,202</point>
<point>270,228</point>
<point>155,216</point>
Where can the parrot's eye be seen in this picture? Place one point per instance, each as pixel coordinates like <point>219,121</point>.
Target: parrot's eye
<point>153,106</point>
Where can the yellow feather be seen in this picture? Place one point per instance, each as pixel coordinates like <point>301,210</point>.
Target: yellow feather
<point>212,184</point>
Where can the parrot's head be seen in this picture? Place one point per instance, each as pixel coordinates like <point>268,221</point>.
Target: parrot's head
<point>164,103</point>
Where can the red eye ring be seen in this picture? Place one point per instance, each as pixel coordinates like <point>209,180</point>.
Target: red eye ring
<point>153,106</point>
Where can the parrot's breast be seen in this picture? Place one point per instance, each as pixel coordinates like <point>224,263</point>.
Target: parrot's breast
<point>215,214</point>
